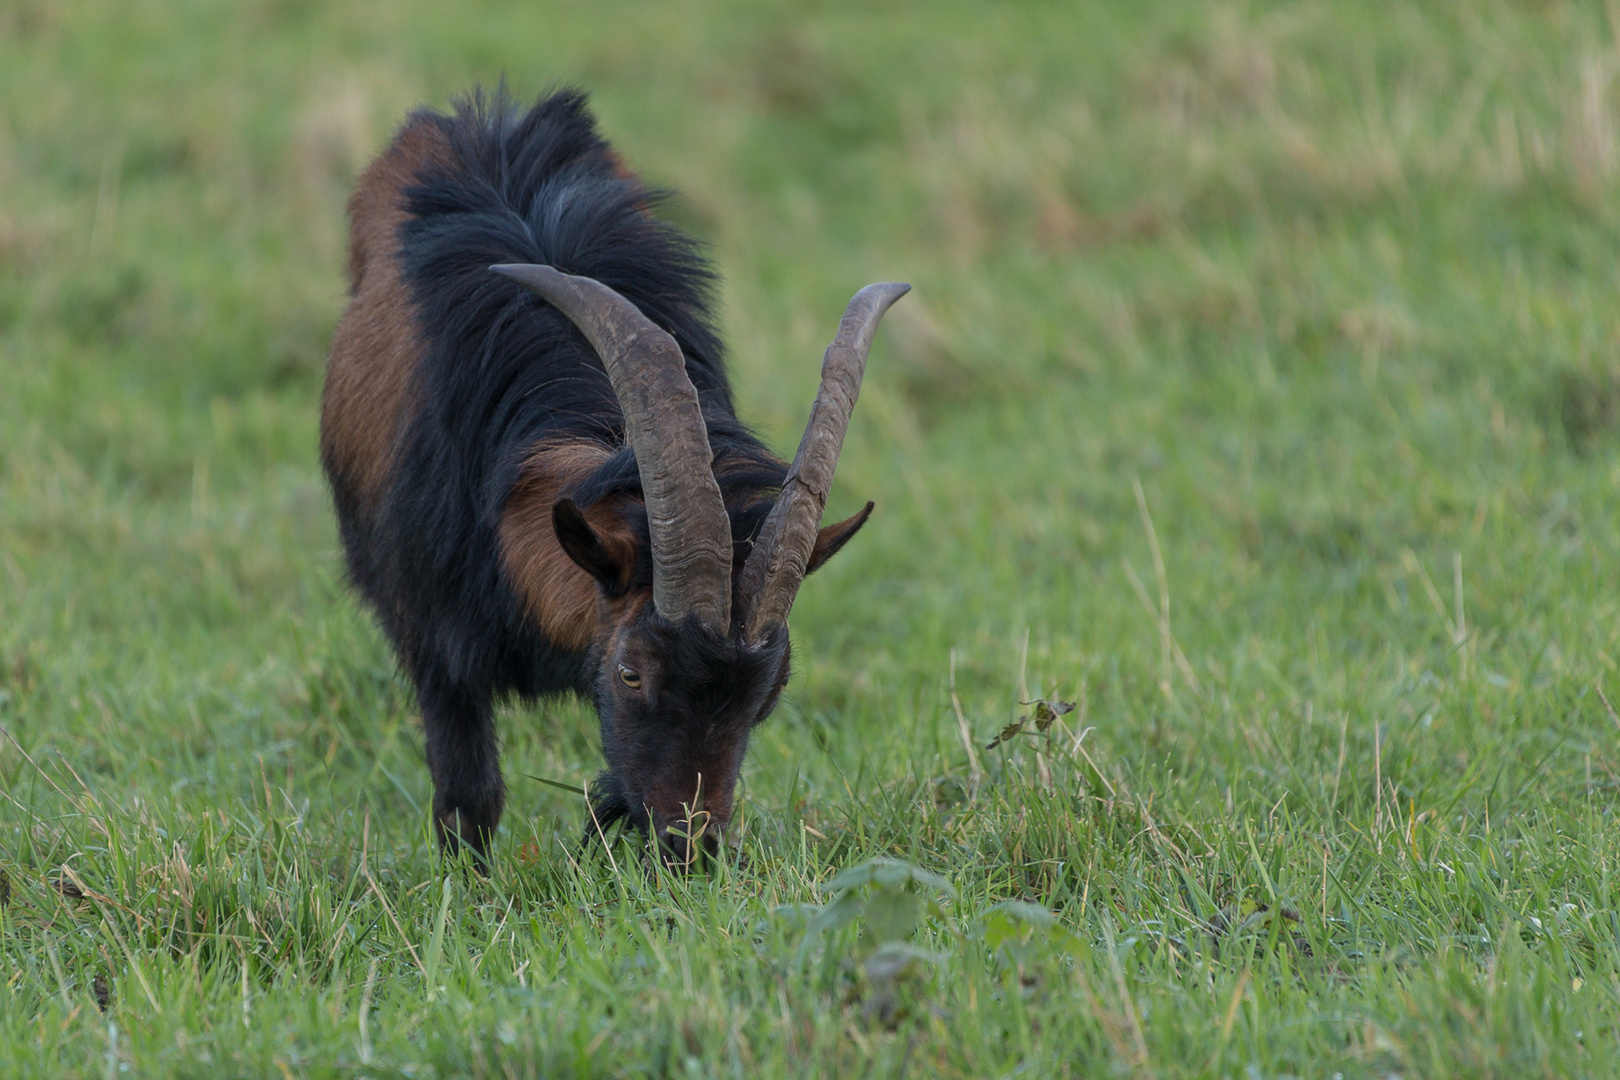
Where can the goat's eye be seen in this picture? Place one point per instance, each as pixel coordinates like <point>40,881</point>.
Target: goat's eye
<point>630,677</point>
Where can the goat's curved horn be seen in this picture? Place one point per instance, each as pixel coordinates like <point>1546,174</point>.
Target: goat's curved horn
<point>686,517</point>
<point>777,565</point>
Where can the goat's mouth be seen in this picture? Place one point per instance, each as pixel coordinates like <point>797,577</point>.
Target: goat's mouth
<point>690,843</point>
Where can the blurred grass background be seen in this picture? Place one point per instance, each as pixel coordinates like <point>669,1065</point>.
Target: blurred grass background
<point>1333,282</point>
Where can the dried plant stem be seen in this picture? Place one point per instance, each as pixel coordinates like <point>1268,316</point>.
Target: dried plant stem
<point>975,774</point>
<point>1164,586</point>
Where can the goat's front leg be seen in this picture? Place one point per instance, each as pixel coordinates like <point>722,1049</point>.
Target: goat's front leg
<point>464,759</point>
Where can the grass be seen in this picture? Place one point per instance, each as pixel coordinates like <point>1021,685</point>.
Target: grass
<point>1258,394</point>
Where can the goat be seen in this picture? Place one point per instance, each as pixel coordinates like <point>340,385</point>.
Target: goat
<point>554,495</point>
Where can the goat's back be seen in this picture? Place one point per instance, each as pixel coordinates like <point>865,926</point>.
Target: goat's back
<point>443,377</point>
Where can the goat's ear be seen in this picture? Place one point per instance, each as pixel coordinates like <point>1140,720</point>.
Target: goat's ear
<point>606,557</point>
<point>830,538</point>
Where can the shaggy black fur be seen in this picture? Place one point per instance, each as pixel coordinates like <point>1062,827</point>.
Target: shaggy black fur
<point>501,371</point>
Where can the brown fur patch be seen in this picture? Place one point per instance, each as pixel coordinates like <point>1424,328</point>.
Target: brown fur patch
<point>620,169</point>
<point>560,596</point>
<point>370,372</point>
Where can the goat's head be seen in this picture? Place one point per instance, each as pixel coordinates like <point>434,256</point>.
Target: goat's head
<point>685,674</point>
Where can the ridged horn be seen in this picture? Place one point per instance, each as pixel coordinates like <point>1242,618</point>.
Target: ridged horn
<point>781,555</point>
<point>686,517</point>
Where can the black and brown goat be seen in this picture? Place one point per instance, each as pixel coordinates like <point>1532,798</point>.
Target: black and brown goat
<point>539,497</point>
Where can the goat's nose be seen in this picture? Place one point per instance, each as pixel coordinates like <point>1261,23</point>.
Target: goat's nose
<point>684,850</point>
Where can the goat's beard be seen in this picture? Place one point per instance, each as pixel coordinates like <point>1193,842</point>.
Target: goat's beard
<point>608,807</point>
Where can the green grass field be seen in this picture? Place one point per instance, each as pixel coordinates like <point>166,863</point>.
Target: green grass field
<point>1259,394</point>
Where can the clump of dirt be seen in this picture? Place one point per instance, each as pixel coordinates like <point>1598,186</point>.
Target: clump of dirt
<point>1585,404</point>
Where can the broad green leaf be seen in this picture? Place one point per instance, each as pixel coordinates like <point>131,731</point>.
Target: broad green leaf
<point>891,915</point>
<point>897,961</point>
<point>888,873</point>
<point>1025,912</point>
<point>841,912</point>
